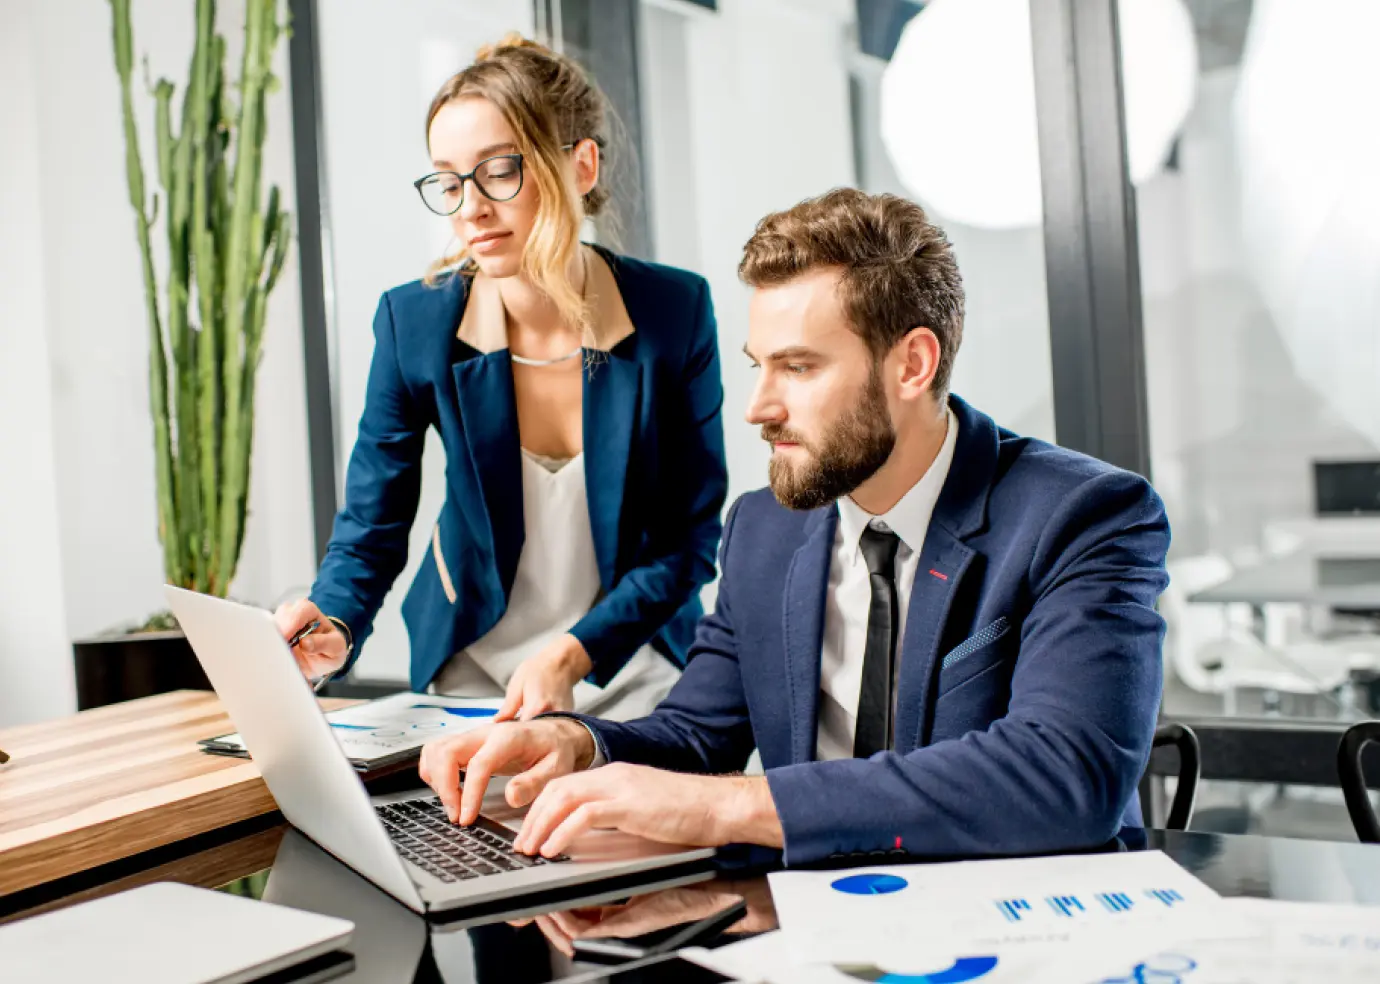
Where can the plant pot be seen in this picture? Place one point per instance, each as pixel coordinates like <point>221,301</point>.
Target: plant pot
<point>115,668</point>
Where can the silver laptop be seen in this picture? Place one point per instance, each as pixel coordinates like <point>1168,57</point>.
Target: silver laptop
<point>403,843</point>
<point>167,933</point>
<point>389,941</point>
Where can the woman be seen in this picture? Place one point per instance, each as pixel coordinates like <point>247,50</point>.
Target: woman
<point>577,394</point>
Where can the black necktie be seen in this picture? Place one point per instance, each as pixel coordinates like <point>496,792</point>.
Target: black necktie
<point>874,700</point>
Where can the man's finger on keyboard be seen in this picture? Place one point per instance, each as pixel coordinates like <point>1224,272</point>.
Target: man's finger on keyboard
<point>430,769</point>
<point>527,786</point>
<point>495,753</point>
<point>441,764</point>
<point>560,798</point>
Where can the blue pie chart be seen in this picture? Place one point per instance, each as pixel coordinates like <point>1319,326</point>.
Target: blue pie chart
<point>963,969</point>
<point>869,884</point>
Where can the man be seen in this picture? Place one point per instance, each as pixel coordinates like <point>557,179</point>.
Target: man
<point>940,635</point>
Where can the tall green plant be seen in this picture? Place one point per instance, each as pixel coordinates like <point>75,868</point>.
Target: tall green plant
<point>226,248</point>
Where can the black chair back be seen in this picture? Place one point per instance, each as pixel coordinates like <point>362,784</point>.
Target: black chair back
<point>1353,778</point>
<point>1181,736</point>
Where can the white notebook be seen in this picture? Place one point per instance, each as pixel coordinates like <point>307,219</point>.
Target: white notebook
<point>168,933</point>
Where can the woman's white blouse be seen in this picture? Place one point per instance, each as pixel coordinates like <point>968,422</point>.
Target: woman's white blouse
<point>557,582</point>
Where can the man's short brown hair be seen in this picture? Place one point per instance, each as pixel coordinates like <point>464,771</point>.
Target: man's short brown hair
<point>897,270</point>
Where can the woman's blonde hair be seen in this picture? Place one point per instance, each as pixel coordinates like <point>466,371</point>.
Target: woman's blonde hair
<point>549,102</point>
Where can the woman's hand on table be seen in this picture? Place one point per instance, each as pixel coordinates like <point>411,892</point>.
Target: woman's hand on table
<point>546,681</point>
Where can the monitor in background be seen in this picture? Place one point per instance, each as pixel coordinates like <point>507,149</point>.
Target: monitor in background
<point>1347,488</point>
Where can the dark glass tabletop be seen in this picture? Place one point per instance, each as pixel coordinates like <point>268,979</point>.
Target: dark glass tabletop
<point>548,938</point>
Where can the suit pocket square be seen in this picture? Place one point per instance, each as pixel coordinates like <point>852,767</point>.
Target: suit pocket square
<point>981,638</point>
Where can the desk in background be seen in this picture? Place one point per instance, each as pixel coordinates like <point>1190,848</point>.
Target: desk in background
<point>116,781</point>
<point>1347,582</point>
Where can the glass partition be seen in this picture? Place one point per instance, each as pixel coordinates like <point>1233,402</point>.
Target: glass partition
<point>1259,261</point>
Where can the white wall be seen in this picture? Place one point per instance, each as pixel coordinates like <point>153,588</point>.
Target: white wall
<point>381,234</point>
<point>89,310</point>
<point>1003,366</point>
<point>735,129</point>
<point>35,667</point>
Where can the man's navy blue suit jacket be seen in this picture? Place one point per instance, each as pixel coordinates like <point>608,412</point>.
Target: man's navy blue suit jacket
<point>1029,678</point>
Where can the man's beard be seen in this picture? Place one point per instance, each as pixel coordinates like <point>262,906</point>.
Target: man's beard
<point>851,451</point>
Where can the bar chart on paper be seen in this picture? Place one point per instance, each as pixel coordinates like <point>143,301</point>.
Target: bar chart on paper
<point>1022,910</point>
<point>1029,897</point>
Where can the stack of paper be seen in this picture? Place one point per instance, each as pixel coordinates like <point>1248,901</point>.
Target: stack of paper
<point>1135,918</point>
<point>989,921</point>
<point>1288,943</point>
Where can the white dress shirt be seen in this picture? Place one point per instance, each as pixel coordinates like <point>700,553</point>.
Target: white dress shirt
<point>849,596</point>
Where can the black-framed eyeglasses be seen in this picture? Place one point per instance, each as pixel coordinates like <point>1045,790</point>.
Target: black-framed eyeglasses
<point>499,179</point>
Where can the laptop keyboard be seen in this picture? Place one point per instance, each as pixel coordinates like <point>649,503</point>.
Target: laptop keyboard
<point>424,835</point>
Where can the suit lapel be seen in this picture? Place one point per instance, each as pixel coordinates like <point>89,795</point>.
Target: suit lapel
<point>803,597</point>
<point>488,420</point>
<point>943,563</point>
<point>612,393</point>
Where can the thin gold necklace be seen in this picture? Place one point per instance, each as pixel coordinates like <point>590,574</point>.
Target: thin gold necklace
<point>522,360</point>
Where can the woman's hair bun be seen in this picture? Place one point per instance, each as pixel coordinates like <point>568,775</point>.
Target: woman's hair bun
<point>509,42</point>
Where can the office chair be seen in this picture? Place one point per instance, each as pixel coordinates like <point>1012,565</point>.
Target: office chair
<point>1353,778</point>
<point>1181,736</point>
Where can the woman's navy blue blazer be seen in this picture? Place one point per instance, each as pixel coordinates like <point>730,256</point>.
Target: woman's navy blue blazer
<point>654,473</point>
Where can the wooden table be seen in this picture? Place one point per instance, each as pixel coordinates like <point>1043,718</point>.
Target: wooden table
<point>115,781</point>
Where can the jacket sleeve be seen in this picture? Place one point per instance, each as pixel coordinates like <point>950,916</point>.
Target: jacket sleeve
<point>679,553</point>
<point>1059,769</point>
<point>368,547</point>
<point>702,725</point>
